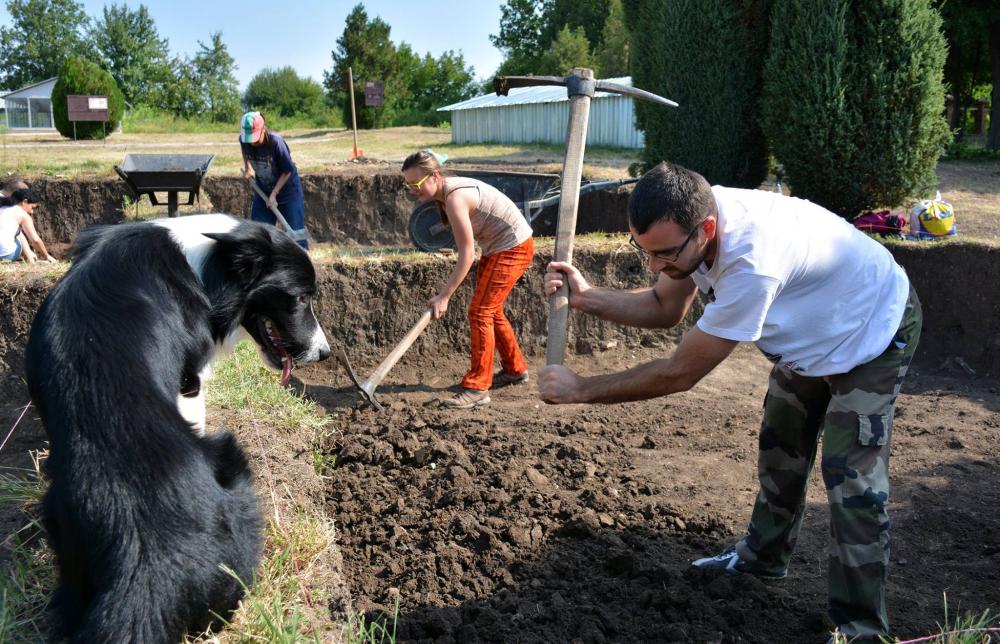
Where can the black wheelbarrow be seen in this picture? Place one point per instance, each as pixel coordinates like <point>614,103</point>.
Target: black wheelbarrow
<point>147,174</point>
<point>429,233</point>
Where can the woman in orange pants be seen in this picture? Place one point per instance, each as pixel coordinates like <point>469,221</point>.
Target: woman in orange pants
<point>478,213</point>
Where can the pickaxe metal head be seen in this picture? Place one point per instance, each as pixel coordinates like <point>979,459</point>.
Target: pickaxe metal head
<point>579,82</point>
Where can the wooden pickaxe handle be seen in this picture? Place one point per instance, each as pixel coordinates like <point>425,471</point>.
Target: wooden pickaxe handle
<point>581,87</point>
<point>569,200</point>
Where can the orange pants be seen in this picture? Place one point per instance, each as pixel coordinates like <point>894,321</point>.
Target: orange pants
<point>491,330</point>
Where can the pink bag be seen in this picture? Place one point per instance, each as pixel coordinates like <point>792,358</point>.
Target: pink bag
<point>881,223</point>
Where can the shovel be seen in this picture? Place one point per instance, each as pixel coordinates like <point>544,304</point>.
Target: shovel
<point>580,86</point>
<point>296,235</point>
<point>367,387</point>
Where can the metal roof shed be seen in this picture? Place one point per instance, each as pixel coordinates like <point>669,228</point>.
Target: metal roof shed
<point>540,115</point>
<point>30,106</point>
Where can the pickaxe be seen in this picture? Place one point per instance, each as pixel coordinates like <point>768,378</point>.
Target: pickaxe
<point>580,86</point>
<point>367,388</point>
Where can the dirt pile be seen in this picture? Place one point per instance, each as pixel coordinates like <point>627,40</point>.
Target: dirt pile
<point>367,305</point>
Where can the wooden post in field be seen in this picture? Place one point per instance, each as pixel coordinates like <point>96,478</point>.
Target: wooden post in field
<point>356,154</point>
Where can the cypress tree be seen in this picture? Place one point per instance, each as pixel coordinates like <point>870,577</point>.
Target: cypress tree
<point>706,55</point>
<point>80,76</point>
<point>853,100</point>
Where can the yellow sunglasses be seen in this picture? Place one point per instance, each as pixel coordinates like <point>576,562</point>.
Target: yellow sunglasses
<point>416,186</point>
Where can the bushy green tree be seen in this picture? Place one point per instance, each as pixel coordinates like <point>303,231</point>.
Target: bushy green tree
<point>611,55</point>
<point>520,37</point>
<point>854,100</point>
<point>179,91</point>
<point>282,91</point>
<point>80,76</point>
<point>706,55</point>
<point>41,36</point>
<point>431,83</point>
<point>216,73</point>
<point>131,49</point>
<point>365,47</point>
<point>570,49</point>
<point>590,15</point>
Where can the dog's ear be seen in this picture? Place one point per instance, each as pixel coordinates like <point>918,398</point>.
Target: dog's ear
<point>248,251</point>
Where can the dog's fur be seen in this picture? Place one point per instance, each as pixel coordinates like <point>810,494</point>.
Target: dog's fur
<point>143,508</point>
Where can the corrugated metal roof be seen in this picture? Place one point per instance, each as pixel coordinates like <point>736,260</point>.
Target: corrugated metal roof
<point>525,95</point>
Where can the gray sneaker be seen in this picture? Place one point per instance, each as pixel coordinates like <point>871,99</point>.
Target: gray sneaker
<point>730,564</point>
<point>468,398</point>
<point>504,379</point>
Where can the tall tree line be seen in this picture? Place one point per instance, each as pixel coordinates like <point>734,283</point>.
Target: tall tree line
<point>43,34</point>
<point>414,85</point>
<point>846,95</point>
<point>548,37</point>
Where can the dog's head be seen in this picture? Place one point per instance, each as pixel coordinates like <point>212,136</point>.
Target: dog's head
<point>267,282</point>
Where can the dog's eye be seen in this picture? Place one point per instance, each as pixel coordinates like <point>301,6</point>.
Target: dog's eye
<point>303,300</point>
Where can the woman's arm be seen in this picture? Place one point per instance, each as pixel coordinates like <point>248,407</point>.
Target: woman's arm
<point>28,226</point>
<point>272,200</point>
<point>457,208</point>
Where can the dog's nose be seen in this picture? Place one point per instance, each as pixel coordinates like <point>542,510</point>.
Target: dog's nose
<point>324,353</point>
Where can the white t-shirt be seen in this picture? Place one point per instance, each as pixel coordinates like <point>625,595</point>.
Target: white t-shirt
<point>816,295</point>
<point>9,227</point>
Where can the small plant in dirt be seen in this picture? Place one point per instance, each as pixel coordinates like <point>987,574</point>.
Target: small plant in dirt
<point>970,628</point>
<point>79,76</point>
<point>372,630</point>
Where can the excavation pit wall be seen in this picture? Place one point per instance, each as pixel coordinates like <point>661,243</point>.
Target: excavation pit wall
<point>368,206</point>
<point>366,304</point>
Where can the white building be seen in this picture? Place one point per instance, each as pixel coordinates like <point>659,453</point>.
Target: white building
<point>540,115</point>
<point>31,106</point>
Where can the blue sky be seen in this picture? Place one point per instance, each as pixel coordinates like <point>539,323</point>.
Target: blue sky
<point>303,33</point>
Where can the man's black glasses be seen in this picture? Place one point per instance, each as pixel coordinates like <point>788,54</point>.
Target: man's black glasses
<point>667,255</point>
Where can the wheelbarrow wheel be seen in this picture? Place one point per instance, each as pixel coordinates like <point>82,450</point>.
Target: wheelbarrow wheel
<point>426,230</point>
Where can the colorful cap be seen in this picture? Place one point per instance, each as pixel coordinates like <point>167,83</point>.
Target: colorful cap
<point>253,127</point>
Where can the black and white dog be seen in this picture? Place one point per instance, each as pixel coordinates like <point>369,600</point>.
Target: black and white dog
<point>143,507</point>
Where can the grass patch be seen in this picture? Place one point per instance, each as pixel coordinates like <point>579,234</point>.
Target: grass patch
<point>279,606</point>
<point>28,576</point>
<point>968,628</point>
<point>243,384</point>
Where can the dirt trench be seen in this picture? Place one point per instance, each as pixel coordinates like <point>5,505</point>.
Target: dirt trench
<point>356,206</point>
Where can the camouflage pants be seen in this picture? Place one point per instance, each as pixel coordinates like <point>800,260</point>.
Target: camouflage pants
<point>854,410</point>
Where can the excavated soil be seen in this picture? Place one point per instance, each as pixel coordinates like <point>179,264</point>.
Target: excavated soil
<point>522,522</point>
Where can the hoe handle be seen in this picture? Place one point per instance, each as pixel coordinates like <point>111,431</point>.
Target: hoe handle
<point>397,352</point>
<point>294,234</point>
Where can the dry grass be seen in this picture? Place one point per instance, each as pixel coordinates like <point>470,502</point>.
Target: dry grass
<point>313,150</point>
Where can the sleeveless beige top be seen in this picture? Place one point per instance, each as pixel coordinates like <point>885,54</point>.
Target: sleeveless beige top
<point>497,224</point>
